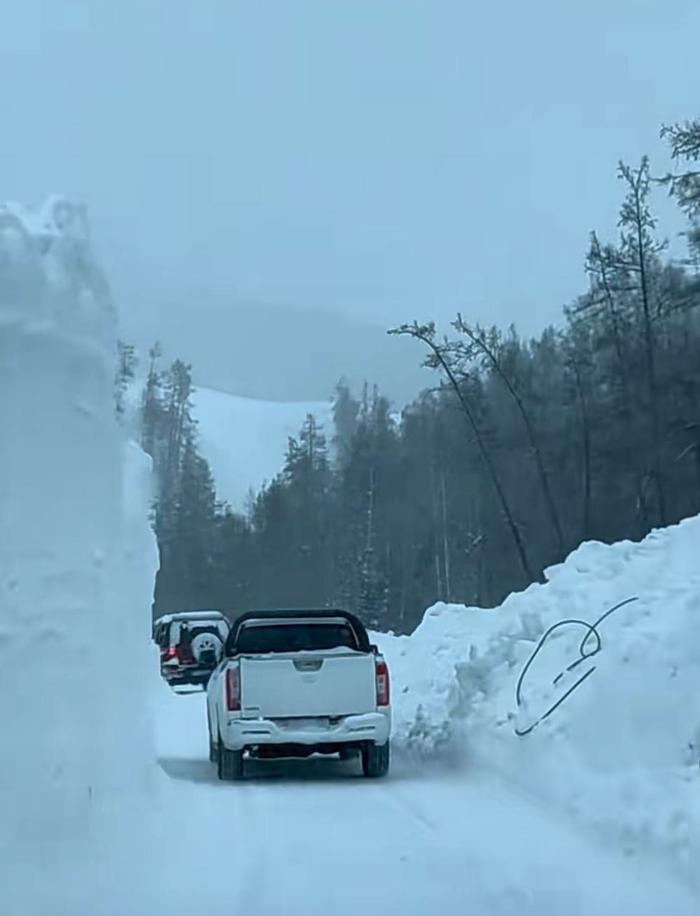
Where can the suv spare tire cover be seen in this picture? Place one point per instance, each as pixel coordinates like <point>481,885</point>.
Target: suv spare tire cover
<point>204,644</point>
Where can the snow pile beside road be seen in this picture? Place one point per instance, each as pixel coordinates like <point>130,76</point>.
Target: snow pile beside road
<point>621,753</point>
<point>77,561</point>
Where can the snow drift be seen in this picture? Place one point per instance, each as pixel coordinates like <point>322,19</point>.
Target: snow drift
<point>621,752</point>
<point>76,569</point>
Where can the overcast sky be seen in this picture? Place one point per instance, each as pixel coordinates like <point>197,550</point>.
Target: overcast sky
<point>389,159</point>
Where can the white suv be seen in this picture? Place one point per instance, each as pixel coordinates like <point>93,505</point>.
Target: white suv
<point>191,645</point>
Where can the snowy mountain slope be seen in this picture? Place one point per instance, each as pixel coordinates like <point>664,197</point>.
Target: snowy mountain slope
<point>245,440</point>
<point>622,752</point>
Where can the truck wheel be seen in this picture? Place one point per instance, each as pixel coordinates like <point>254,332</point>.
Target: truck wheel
<point>375,760</point>
<point>230,763</point>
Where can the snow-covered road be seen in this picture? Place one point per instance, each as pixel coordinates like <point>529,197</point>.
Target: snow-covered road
<point>312,837</point>
<point>90,826</point>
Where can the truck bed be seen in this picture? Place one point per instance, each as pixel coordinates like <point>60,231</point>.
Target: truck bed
<point>307,685</point>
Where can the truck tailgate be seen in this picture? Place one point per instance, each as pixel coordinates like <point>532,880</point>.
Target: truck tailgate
<point>307,685</point>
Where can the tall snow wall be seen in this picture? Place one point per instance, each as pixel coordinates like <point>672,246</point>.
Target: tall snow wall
<point>76,567</point>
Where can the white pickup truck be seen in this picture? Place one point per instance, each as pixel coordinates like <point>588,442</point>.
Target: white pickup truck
<point>296,683</point>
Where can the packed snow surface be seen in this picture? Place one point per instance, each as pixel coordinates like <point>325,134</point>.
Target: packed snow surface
<point>622,752</point>
<point>313,837</point>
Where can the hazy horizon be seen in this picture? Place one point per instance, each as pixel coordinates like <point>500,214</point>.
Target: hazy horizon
<point>374,161</point>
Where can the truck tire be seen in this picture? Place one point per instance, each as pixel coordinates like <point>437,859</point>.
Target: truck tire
<point>375,760</point>
<point>229,763</point>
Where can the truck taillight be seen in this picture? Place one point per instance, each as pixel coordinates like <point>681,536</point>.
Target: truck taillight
<point>382,678</point>
<point>233,688</point>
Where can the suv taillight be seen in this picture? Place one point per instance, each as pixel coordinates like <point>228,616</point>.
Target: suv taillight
<point>382,679</point>
<point>233,688</point>
<point>170,652</point>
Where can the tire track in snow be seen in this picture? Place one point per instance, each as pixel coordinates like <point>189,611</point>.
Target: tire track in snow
<point>296,840</point>
<point>252,872</point>
<point>400,800</point>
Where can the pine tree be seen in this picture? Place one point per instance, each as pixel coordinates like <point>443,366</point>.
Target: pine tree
<point>194,527</point>
<point>345,419</point>
<point>124,374</point>
<point>185,504</point>
<point>151,404</point>
<point>684,140</point>
<point>373,585</point>
<point>638,253</point>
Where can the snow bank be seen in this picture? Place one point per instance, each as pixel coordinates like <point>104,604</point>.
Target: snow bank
<point>77,561</point>
<point>621,752</point>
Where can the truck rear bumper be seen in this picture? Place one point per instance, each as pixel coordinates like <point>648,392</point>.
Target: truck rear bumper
<point>321,732</point>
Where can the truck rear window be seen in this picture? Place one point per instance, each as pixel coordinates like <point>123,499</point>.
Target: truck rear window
<point>259,639</point>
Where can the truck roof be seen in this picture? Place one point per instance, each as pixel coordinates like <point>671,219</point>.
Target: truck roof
<point>319,614</point>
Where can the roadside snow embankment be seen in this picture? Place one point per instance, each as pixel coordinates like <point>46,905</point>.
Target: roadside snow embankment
<point>77,561</point>
<point>621,752</point>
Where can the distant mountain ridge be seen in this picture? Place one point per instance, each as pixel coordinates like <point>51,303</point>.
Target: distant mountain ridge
<point>266,351</point>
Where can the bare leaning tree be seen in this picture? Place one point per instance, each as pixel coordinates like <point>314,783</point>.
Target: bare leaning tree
<point>445,357</point>
<point>477,342</point>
